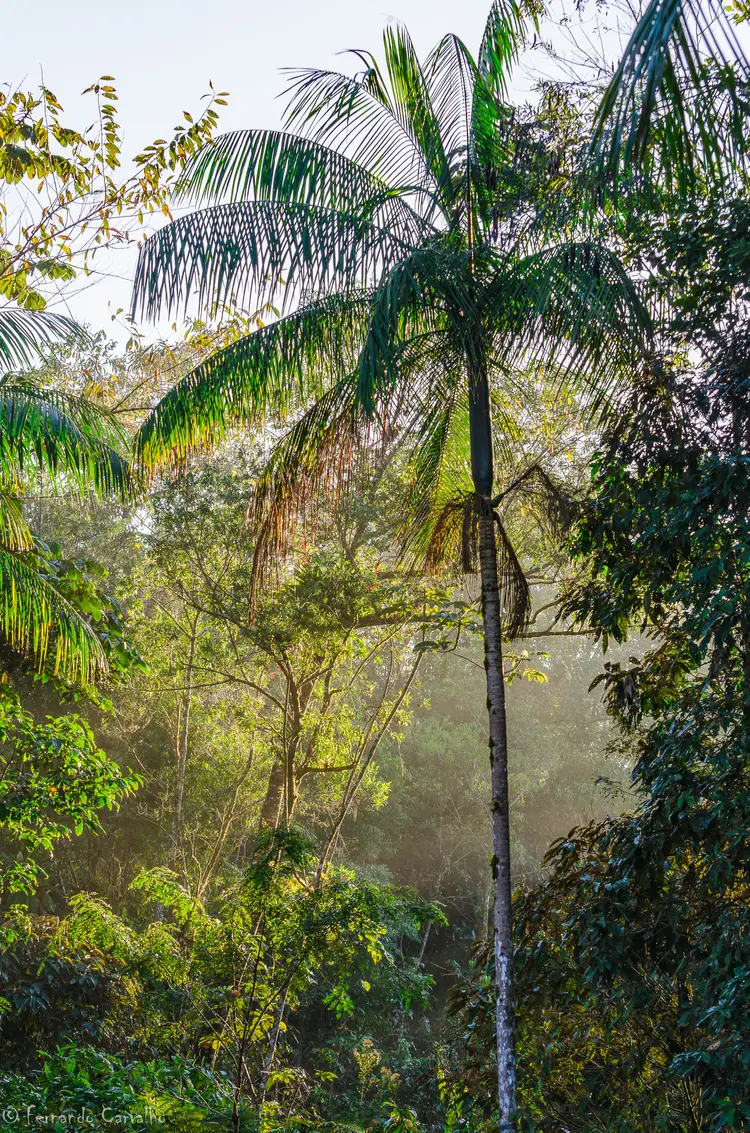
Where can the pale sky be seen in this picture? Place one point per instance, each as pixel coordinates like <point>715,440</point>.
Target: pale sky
<point>163,53</point>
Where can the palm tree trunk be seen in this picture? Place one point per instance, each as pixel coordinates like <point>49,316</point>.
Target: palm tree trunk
<point>503,923</point>
<point>483,475</point>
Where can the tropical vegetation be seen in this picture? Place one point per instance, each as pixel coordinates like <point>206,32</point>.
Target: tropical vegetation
<point>460,406</point>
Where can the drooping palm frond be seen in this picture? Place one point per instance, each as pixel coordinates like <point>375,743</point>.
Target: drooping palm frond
<point>678,101</point>
<point>14,531</point>
<point>570,304</point>
<point>35,618</point>
<point>453,537</point>
<point>69,441</point>
<point>454,541</point>
<point>256,252</point>
<point>437,442</point>
<point>61,435</point>
<point>553,507</point>
<point>308,468</point>
<point>272,372</point>
<point>24,333</point>
<point>273,165</point>
<point>438,465</point>
<point>515,595</point>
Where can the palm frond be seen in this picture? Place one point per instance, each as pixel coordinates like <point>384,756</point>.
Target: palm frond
<point>411,99</point>
<point>451,76</point>
<point>357,117</point>
<point>677,102</point>
<point>61,435</point>
<point>437,439</point>
<point>408,304</point>
<point>14,531</point>
<point>251,253</point>
<point>515,596</point>
<point>494,135</point>
<point>553,507</point>
<point>308,469</point>
<point>272,372</point>
<point>23,334</point>
<point>454,541</point>
<point>571,305</point>
<point>273,165</point>
<point>504,37</point>
<point>35,619</point>
<point>438,468</point>
<point>452,537</point>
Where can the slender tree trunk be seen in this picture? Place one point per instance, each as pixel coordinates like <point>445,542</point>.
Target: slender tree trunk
<point>503,923</point>
<point>183,737</point>
<point>483,475</point>
<point>271,809</point>
<point>271,1053</point>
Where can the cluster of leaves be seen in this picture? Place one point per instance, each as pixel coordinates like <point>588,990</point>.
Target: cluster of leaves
<point>77,589</point>
<point>223,988</point>
<point>61,196</point>
<point>85,1087</point>
<point>54,781</point>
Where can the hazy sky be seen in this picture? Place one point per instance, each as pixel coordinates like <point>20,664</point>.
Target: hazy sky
<point>164,52</point>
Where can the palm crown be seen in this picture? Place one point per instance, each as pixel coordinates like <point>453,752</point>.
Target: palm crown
<point>390,221</point>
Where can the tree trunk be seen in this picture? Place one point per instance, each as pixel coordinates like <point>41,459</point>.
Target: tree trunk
<point>493,663</point>
<point>271,810</point>
<point>183,738</point>
<point>482,468</point>
<point>271,1053</point>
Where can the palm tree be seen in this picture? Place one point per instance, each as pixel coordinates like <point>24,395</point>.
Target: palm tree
<point>395,218</point>
<point>48,435</point>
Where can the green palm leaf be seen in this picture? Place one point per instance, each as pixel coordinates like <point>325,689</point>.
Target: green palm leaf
<point>504,36</point>
<point>411,101</point>
<point>358,118</point>
<point>274,165</point>
<point>24,333</point>
<point>39,623</point>
<point>570,306</point>
<point>678,100</point>
<point>269,373</point>
<point>64,436</point>
<point>410,302</point>
<point>14,531</point>
<point>249,252</point>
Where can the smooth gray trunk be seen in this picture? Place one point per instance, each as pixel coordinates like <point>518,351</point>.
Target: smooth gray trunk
<point>483,476</point>
<point>503,920</point>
